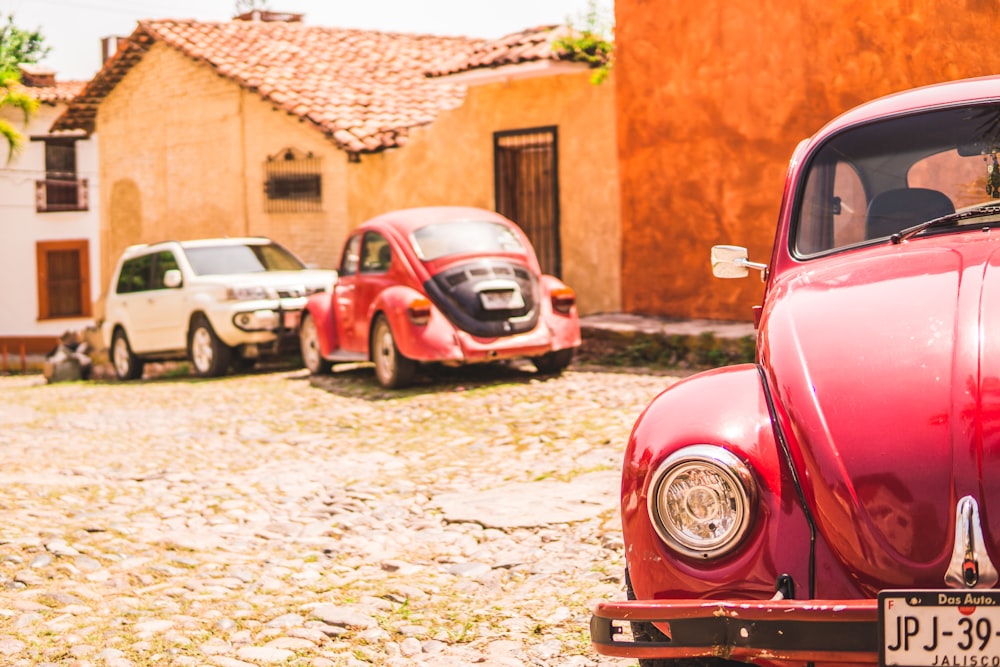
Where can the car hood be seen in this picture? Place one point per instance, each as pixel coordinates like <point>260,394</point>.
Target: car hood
<point>278,279</point>
<point>886,365</point>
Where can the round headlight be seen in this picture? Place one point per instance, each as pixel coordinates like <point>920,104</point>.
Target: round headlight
<point>701,500</point>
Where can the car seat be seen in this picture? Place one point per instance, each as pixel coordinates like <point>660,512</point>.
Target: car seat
<point>895,210</point>
<point>385,257</point>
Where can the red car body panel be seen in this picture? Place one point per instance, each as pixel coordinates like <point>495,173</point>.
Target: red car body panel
<point>319,307</point>
<point>344,319</point>
<point>873,408</point>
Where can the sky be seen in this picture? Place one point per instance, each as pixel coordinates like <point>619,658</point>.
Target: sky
<point>73,28</point>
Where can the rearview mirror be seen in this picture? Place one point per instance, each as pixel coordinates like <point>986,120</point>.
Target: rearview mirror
<point>730,261</point>
<point>172,278</point>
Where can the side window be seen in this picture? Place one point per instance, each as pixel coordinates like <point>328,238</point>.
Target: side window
<point>164,262</point>
<point>349,262</point>
<point>849,223</point>
<point>376,254</point>
<point>136,275</point>
<point>833,211</point>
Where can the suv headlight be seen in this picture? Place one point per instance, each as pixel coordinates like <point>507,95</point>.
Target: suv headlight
<point>701,500</point>
<point>250,293</point>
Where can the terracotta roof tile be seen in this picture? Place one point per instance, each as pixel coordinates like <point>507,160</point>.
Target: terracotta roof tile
<point>363,89</point>
<point>60,91</point>
<point>525,46</point>
<point>40,82</point>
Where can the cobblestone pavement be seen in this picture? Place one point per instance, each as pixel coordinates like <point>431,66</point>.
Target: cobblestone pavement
<point>275,518</point>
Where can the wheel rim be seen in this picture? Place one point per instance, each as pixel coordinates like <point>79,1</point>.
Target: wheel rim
<point>385,353</point>
<point>121,357</point>
<point>309,342</point>
<point>201,349</point>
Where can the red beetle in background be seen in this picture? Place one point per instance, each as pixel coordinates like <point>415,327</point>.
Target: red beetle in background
<point>838,501</point>
<point>453,285</point>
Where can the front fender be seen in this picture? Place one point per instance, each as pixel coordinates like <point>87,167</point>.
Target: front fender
<point>434,341</point>
<point>727,408</point>
<point>319,307</point>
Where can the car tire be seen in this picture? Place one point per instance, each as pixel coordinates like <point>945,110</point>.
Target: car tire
<point>553,363</point>
<point>127,365</point>
<point>209,356</point>
<point>312,358</point>
<point>647,632</point>
<point>392,369</point>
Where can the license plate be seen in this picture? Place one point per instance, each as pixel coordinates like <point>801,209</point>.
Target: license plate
<point>940,628</point>
<point>502,299</point>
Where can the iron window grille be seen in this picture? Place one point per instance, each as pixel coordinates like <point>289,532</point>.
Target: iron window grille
<point>294,182</point>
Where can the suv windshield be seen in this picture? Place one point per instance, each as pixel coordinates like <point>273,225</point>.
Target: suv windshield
<point>873,181</point>
<point>250,258</point>
<point>453,238</point>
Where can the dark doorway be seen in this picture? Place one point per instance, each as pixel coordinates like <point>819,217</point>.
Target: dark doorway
<point>526,174</point>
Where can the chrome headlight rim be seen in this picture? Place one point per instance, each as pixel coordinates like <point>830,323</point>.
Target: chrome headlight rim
<point>731,468</point>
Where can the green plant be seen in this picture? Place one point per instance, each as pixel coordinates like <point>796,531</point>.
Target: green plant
<point>19,46</point>
<point>593,43</point>
<point>669,352</point>
<point>16,46</point>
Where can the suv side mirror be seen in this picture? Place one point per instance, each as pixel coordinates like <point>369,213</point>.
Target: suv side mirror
<point>172,278</point>
<point>730,261</point>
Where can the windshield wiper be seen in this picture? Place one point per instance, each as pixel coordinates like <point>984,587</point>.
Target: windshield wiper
<point>979,212</point>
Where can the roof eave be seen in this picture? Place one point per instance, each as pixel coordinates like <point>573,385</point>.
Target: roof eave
<point>526,70</point>
<point>81,112</point>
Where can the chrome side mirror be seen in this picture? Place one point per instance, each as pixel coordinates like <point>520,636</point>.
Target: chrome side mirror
<point>730,261</point>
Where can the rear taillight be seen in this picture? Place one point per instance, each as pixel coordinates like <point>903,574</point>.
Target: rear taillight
<point>419,311</point>
<point>563,300</point>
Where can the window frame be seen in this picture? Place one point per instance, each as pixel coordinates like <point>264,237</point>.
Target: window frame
<point>62,189</point>
<point>42,251</point>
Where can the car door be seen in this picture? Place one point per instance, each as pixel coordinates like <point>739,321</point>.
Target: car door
<point>129,306</point>
<point>372,278</point>
<point>344,292</point>
<point>167,313</point>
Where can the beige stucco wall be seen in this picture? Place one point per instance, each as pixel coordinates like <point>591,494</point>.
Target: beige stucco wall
<point>183,152</point>
<point>315,237</point>
<point>450,161</point>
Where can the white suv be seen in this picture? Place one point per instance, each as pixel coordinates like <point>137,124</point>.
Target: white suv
<point>217,302</point>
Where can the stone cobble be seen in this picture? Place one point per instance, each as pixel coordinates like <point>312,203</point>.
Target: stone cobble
<point>281,519</point>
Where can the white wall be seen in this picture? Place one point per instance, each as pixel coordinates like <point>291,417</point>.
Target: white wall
<point>21,227</point>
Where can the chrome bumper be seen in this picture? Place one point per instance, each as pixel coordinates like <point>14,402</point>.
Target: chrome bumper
<point>794,630</point>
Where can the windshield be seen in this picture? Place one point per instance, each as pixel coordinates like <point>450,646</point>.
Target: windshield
<point>466,236</point>
<point>249,258</point>
<point>872,181</point>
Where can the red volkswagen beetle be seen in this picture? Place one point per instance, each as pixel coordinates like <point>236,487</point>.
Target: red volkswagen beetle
<point>838,501</point>
<point>454,285</point>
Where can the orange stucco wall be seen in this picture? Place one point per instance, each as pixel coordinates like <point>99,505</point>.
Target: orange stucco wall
<point>712,98</point>
<point>450,161</point>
